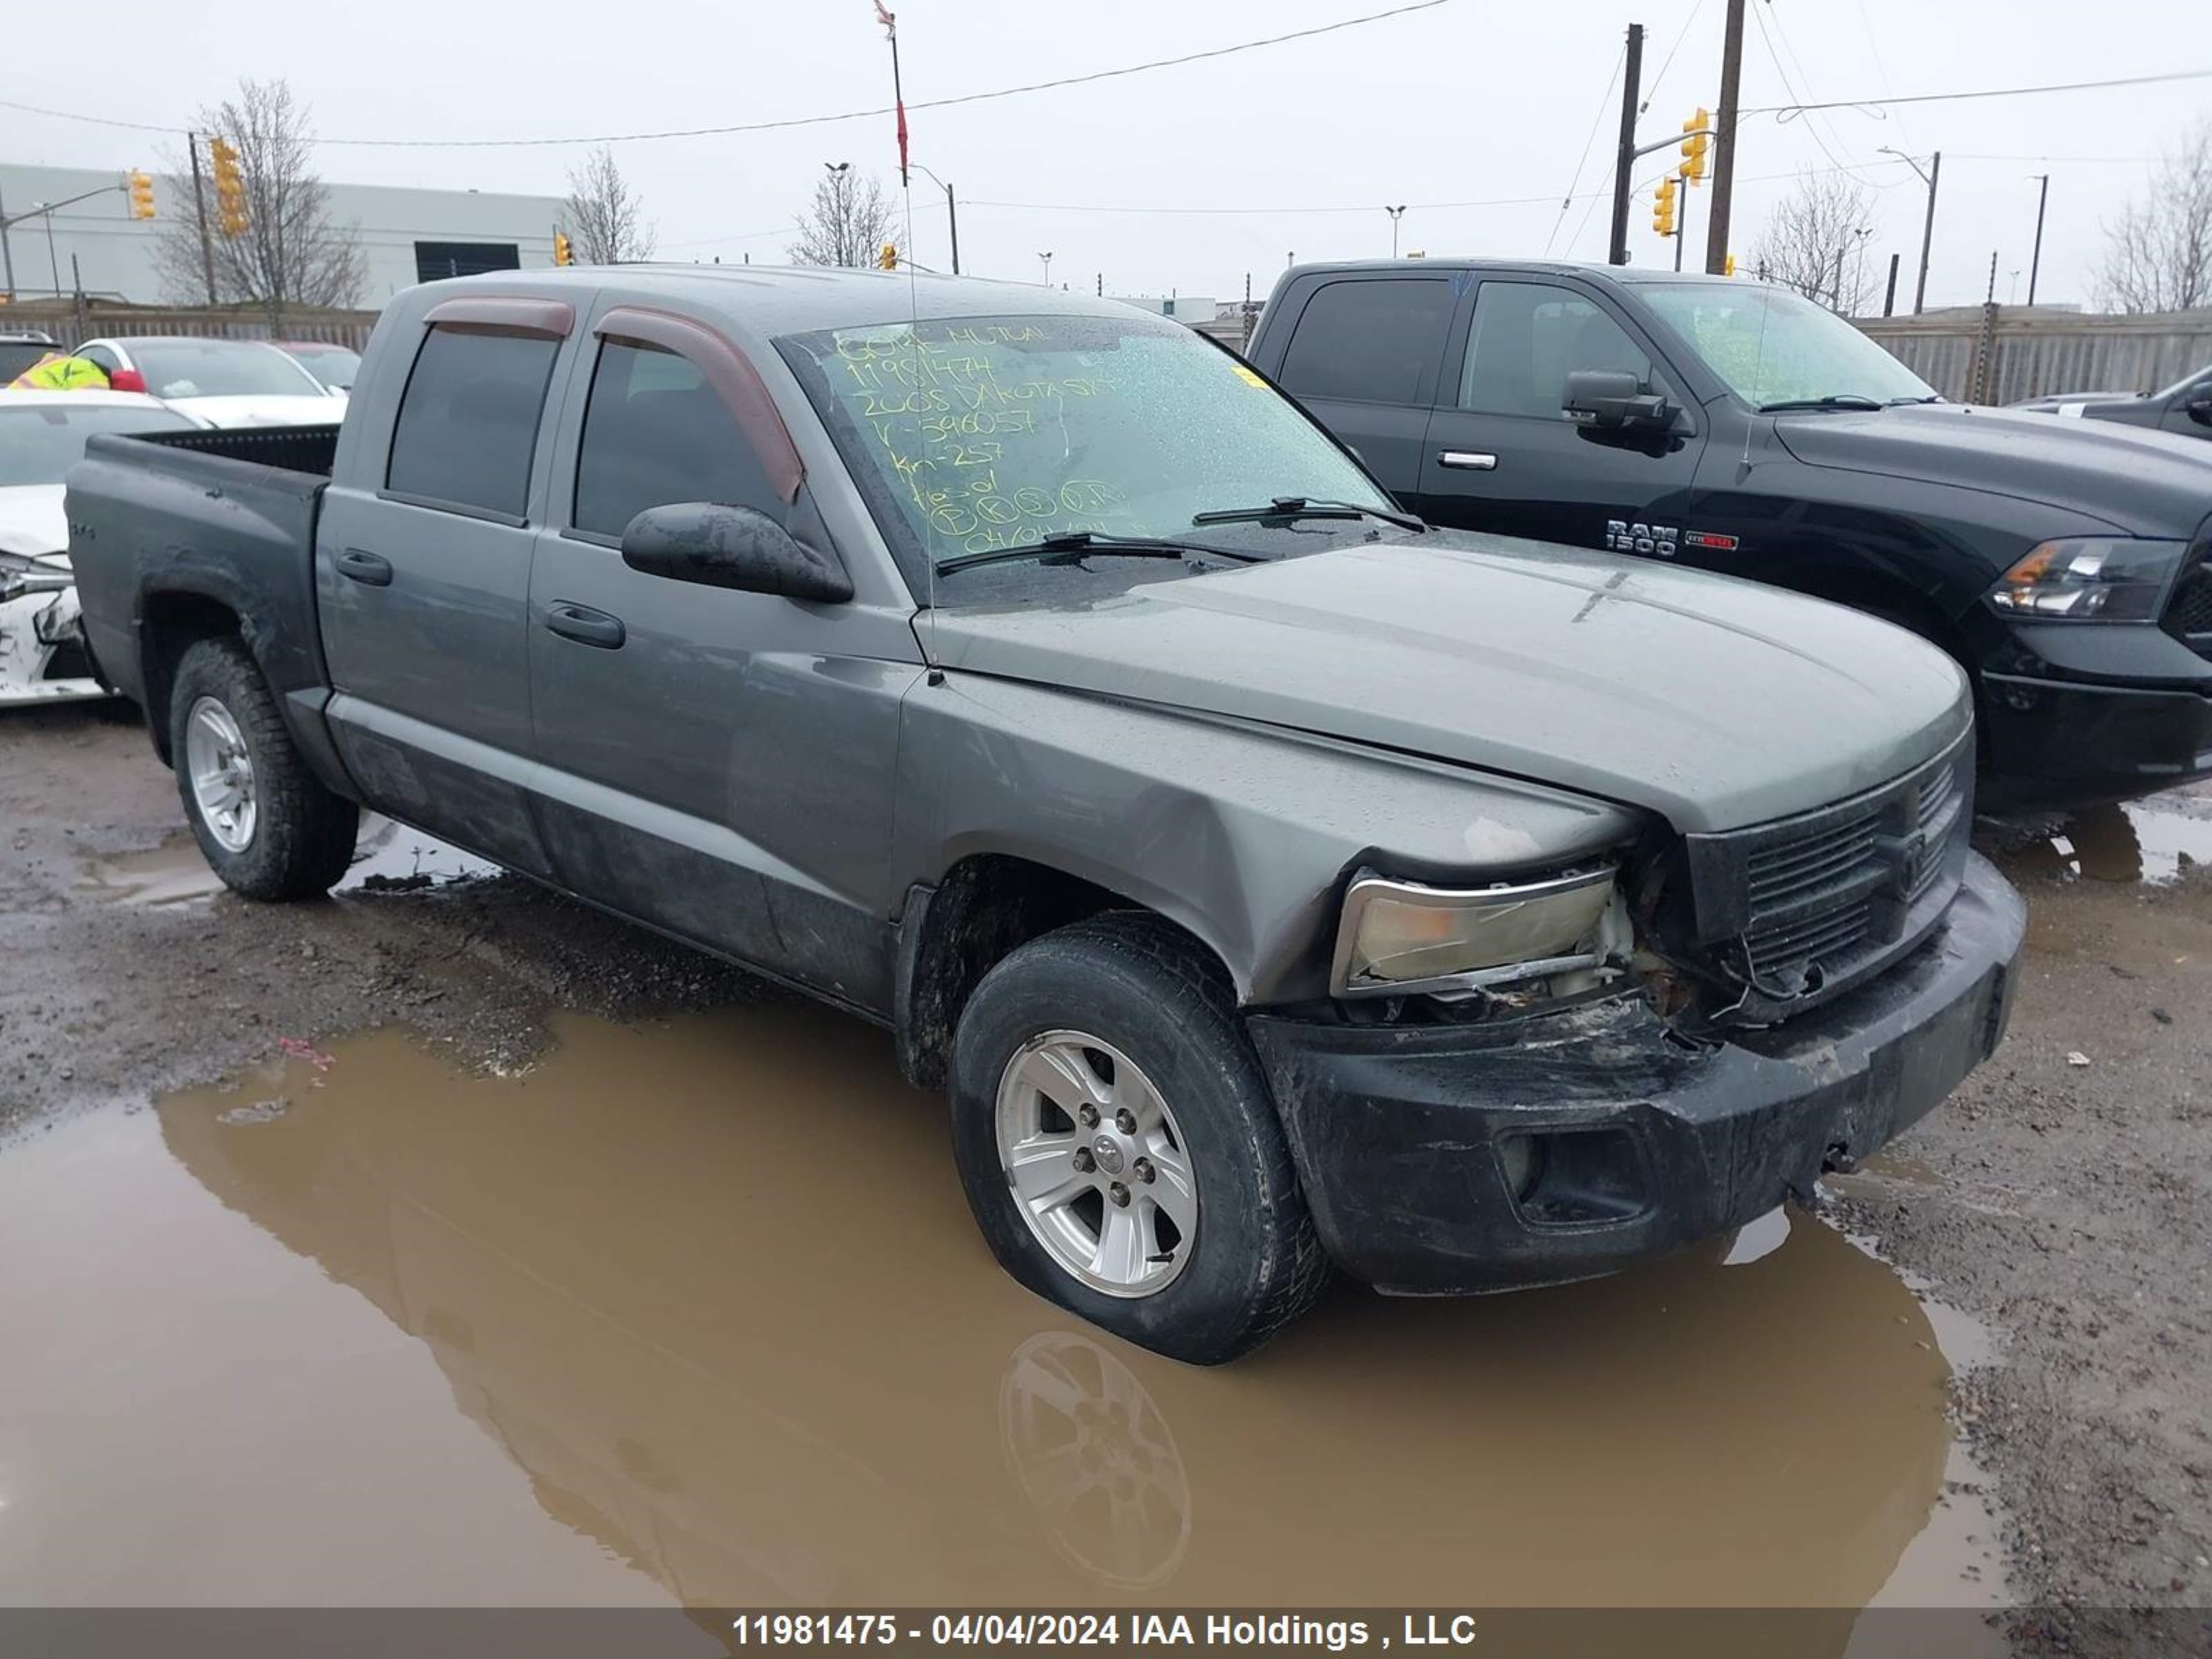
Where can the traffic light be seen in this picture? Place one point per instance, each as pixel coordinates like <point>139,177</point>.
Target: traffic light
<point>142,195</point>
<point>229,187</point>
<point>1662,207</point>
<point>562,253</point>
<point>1695,145</point>
<point>1728,266</point>
<point>888,260</point>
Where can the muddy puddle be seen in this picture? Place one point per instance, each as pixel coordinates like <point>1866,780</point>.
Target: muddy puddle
<point>388,855</point>
<point>2152,842</point>
<point>695,1313</point>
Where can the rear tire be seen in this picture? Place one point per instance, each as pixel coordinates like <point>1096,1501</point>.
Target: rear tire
<point>265,823</point>
<point>1124,1012</point>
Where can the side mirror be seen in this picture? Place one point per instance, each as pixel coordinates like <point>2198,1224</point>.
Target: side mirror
<point>2200,408</point>
<point>1615,400</point>
<point>731,547</point>
<point>126,380</point>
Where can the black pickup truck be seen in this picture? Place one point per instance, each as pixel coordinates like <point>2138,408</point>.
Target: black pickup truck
<point>2067,566</point>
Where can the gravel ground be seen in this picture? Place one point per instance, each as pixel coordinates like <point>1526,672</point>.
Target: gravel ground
<point>2069,1207</point>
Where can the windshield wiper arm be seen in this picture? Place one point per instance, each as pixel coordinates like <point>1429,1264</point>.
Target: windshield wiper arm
<point>1070,546</point>
<point>1833,400</point>
<point>1301,506</point>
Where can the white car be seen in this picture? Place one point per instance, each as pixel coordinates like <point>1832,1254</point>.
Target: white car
<point>42,434</point>
<point>222,382</point>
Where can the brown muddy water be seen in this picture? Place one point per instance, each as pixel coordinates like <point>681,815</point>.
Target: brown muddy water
<point>695,1313</point>
<point>386,854</point>
<point>2152,842</point>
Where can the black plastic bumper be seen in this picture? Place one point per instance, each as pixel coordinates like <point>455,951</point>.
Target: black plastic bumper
<point>2053,743</point>
<point>1626,1142</point>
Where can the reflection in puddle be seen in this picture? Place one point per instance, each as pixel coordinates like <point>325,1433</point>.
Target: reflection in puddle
<point>2152,842</point>
<point>710,1295</point>
<point>387,856</point>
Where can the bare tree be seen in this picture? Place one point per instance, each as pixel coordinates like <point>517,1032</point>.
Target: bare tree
<point>847,224</point>
<point>1815,242</point>
<point>605,214</point>
<point>287,252</point>
<point>2159,256</point>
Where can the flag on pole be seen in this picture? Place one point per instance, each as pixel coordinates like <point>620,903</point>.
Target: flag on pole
<point>889,20</point>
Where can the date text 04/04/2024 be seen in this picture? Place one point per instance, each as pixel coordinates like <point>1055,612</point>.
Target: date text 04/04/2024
<point>1267,1631</point>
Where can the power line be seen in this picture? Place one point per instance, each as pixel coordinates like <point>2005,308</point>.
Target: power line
<point>796,120</point>
<point>1652,91</point>
<point>1766,39</point>
<point>1604,101</point>
<point>1789,111</point>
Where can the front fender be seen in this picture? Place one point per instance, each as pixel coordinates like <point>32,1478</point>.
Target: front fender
<point>1241,833</point>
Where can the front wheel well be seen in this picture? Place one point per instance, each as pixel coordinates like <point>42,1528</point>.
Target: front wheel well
<point>171,625</point>
<point>953,933</point>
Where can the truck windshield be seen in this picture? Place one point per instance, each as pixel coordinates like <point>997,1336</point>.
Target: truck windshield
<point>41,441</point>
<point>1772,346</point>
<point>979,434</point>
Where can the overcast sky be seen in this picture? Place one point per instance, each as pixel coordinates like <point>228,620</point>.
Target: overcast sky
<point>1467,101</point>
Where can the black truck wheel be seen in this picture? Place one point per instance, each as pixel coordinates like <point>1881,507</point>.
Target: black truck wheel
<point>1119,1145</point>
<point>267,826</point>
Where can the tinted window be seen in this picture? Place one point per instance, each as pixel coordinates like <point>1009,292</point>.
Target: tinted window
<point>468,422</point>
<point>1369,340</point>
<point>655,432</point>
<point>1527,339</point>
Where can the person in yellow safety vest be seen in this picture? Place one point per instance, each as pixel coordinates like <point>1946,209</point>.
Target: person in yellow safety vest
<point>61,372</point>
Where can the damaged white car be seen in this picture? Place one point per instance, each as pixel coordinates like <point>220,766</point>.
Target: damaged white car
<point>42,652</point>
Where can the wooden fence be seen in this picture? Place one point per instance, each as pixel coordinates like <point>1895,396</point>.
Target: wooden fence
<point>2004,354</point>
<point>71,320</point>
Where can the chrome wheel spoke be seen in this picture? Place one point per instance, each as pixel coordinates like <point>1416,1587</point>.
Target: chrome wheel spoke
<point>1064,1076</point>
<point>221,773</point>
<point>1173,1189</point>
<point>1122,1246</point>
<point>1044,1172</point>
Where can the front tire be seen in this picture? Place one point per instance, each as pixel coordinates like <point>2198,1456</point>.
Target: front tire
<point>265,823</point>
<point>1119,1145</point>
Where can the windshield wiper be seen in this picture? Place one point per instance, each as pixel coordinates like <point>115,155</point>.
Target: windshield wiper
<point>1301,506</point>
<point>1070,546</point>
<point>1833,400</point>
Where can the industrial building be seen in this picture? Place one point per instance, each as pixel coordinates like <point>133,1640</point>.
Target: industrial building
<point>407,235</point>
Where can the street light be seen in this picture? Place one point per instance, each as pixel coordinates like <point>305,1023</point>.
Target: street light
<point>1929,175</point>
<point>1396,213</point>
<point>951,213</point>
<point>836,167</point>
<point>1047,257</point>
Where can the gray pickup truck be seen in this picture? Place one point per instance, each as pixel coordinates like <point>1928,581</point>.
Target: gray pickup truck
<point>1271,880</point>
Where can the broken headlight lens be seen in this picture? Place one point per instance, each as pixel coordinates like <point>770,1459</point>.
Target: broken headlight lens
<point>1396,937</point>
<point>2090,579</point>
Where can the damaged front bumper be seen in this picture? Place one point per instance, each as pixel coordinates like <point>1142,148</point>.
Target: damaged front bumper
<point>43,655</point>
<point>1441,1159</point>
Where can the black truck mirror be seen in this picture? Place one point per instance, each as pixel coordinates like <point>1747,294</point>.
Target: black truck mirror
<point>1615,400</point>
<point>2200,407</point>
<point>731,547</point>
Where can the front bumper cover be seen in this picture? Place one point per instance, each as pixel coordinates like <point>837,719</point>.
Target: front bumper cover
<point>1400,1134</point>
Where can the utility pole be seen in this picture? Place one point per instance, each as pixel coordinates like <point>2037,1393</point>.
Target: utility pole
<point>1631,80</point>
<point>1990,298</point>
<point>1935,171</point>
<point>7,252</point>
<point>1889,298</point>
<point>1716,216</point>
<point>2035,264</point>
<point>199,213</point>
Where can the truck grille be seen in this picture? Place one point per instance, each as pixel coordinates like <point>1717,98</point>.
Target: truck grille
<point>2189,614</point>
<point>1804,906</point>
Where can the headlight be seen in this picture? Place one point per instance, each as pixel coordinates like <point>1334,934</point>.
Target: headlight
<point>2091,578</point>
<point>1396,937</point>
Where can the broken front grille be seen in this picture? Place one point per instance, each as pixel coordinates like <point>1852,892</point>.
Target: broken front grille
<point>1804,906</point>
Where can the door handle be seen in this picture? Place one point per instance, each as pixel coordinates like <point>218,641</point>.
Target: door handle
<point>363,566</point>
<point>1469,460</point>
<point>586,626</point>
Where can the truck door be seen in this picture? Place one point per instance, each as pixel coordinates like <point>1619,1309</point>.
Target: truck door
<point>717,763</point>
<point>1501,454</point>
<point>1363,356</point>
<point>422,572</point>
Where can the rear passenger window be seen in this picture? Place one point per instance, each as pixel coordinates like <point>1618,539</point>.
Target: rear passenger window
<point>468,421</point>
<point>1369,340</point>
<point>656,433</point>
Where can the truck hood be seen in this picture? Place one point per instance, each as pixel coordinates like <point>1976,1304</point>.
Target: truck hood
<point>32,520</point>
<point>2147,484</point>
<point>1715,703</point>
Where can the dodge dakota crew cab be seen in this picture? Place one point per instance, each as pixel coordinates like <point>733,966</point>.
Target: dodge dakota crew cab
<point>1271,880</point>
<point>1726,425</point>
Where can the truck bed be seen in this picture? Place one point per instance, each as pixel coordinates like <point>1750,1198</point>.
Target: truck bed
<point>224,521</point>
